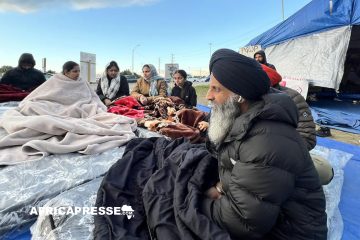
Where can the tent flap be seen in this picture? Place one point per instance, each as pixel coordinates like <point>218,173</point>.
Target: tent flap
<point>317,58</point>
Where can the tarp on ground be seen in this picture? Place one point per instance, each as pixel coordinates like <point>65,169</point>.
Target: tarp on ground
<point>341,115</point>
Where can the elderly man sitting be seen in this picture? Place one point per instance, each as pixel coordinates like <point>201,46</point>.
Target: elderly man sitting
<point>268,188</point>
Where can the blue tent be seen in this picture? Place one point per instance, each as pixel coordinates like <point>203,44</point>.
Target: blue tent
<point>313,18</point>
<point>320,44</point>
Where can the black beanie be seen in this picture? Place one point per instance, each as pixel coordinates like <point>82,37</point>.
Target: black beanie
<point>26,58</point>
<point>241,75</point>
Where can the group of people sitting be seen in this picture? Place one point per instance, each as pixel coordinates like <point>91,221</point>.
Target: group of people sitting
<point>269,187</point>
<point>112,86</point>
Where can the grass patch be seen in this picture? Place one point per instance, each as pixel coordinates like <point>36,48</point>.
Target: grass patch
<point>201,91</point>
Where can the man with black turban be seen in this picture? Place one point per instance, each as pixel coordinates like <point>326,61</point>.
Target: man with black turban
<point>25,76</point>
<point>268,188</point>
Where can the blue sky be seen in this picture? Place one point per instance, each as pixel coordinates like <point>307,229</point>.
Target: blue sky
<point>60,29</point>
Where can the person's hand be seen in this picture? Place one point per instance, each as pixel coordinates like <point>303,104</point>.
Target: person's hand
<point>107,102</point>
<point>143,100</point>
<point>213,193</point>
<point>203,126</point>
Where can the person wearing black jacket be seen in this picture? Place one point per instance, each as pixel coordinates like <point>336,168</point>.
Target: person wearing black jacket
<point>184,89</point>
<point>269,187</point>
<point>112,85</point>
<point>24,76</point>
<point>261,58</point>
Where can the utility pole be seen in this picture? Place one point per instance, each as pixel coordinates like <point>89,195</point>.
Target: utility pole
<point>282,5</point>
<point>132,58</point>
<point>210,48</point>
<point>331,6</point>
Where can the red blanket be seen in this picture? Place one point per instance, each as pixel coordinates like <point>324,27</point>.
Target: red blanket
<point>127,106</point>
<point>10,93</point>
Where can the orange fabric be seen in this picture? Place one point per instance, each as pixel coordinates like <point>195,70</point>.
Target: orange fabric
<point>274,76</point>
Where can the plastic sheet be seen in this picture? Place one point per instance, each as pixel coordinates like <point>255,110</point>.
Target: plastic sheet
<point>81,226</point>
<point>6,106</point>
<point>144,133</point>
<point>76,226</point>
<point>338,160</point>
<point>32,184</point>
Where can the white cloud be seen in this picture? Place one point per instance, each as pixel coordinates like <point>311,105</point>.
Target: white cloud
<point>27,6</point>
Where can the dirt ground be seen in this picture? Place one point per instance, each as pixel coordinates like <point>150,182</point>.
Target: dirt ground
<point>201,89</point>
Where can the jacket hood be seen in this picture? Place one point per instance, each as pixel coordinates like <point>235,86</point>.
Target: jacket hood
<point>186,84</point>
<point>274,106</point>
<point>26,58</point>
<point>262,53</point>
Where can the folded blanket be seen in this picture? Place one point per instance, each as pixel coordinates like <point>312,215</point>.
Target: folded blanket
<point>61,116</point>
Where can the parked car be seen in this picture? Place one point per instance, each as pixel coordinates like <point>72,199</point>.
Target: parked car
<point>131,78</point>
<point>48,75</point>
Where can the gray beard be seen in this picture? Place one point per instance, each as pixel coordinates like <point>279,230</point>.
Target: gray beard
<point>222,118</point>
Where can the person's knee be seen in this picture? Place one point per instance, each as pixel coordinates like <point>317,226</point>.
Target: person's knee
<point>324,169</point>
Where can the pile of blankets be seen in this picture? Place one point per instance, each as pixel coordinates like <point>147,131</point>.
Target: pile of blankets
<point>165,115</point>
<point>163,183</point>
<point>127,106</point>
<point>61,116</point>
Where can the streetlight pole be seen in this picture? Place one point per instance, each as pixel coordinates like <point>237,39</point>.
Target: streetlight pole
<point>210,48</point>
<point>132,58</point>
<point>282,5</point>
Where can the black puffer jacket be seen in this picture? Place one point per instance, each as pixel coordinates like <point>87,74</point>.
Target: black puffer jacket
<point>306,124</point>
<point>272,190</point>
<point>25,79</point>
<point>186,93</point>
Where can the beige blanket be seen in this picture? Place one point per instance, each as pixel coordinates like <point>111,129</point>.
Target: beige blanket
<point>61,116</point>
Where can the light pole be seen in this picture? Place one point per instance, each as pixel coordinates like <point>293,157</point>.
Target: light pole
<point>282,6</point>
<point>210,48</point>
<point>132,58</point>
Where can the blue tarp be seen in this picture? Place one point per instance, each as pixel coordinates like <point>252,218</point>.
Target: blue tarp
<point>314,17</point>
<point>341,115</point>
<point>350,195</point>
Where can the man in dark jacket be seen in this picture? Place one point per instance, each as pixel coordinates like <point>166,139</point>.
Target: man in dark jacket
<point>306,124</point>
<point>261,58</point>
<point>25,76</point>
<point>269,188</point>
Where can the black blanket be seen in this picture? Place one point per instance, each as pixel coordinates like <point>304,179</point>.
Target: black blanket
<point>163,181</point>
